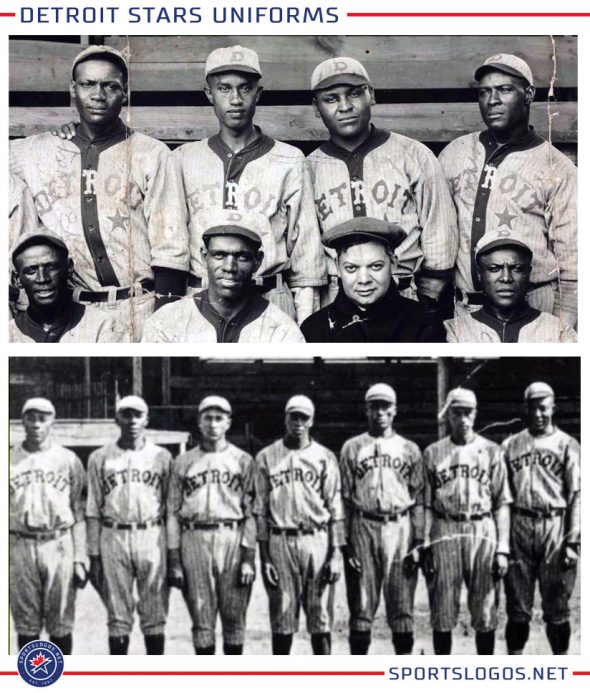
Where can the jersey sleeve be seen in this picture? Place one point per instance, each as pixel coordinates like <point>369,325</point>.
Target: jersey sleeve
<point>428,489</point>
<point>174,504</point>
<point>451,331</point>
<point>249,529</point>
<point>22,213</point>
<point>500,488</point>
<point>78,489</point>
<point>333,500</point>
<point>261,503</point>
<point>94,502</point>
<point>572,469</point>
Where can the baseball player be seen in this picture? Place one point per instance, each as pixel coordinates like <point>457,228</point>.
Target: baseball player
<point>47,531</point>
<point>467,525</point>
<point>242,168</point>
<point>127,489</point>
<point>504,262</point>
<point>212,532</point>
<point>114,196</point>
<point>300,527</point>
<point>543,466</point>
<point>231,309</point>
<point>382,490</point>
<point>508,178</point>
<point>365,171</point>
<point>42,268</point>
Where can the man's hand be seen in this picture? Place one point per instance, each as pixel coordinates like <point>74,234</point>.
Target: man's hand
<point>174,572</point>
<point>412,561</point>
<point>96,574</point>
<point>351,560</point>
<point>499,566</point>
<point>427,563</point>
<point>270,575</point>
<point>332,569</point>
<point>570,556</point>
<point>247,567</point>
<point>80,575</point>
<point>429,289</point>
<point>65,132</point>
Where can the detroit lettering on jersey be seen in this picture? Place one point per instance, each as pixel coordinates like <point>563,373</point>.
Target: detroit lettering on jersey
<point>369,463</point>
<point>542,458</point>
<point>193,482</point>
<point>308,477</point>
<point>231,195</point>
<point>37,476</point>
<point>131,476</point>
<point>461,471</point>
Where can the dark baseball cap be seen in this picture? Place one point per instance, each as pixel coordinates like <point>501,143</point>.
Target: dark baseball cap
<point>230,222</point>
<point>390,233</point>
<point>105,52</point>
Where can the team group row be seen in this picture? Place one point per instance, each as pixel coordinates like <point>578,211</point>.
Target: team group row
<point>466,511</point>
<point>239,237</point>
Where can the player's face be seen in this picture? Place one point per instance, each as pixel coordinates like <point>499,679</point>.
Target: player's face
<point>42,271</point>
<point>37,425</point>
<point>504,102</point>
<point>234,96</point>
<point>298,424</point>
<point>504,274</point>
<point>231,261</point>
<point>461,421</point>
<point>380,415</point>
<point>214,424</point>
<point>365,271</point>
<point>345,110</point>
<point>540,414</point>
<point>99,91</point>
<point>132,423</point>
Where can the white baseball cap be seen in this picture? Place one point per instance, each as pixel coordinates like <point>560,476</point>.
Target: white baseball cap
<point>105,52</point>
<point>338,71</point>
<point>459,397</point>
<point>301,404</point>
<point>233,59</point>
<point>507,63</point>
<point>230,222</point>
<point>381,392</point>
<point>38,404</point>
<point>132,402</point>
<point>538,390</point>
<point>499,238</point>
<point>215,402</point>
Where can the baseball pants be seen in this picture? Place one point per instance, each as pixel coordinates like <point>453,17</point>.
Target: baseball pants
<point>211,563</point>
<point>128,555</point>
<point>41,584</point>
<point>381,547</point>
<point>463,552</point>
<point>536,545</point>
<point>299,561</point>
<point>131,313</point>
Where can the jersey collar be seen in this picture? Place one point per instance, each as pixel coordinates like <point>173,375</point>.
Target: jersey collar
<point>376,138</point>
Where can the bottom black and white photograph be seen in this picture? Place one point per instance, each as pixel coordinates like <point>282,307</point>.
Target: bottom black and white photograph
<point>377,505</point>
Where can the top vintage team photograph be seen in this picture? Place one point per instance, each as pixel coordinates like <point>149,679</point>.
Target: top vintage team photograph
<point>265,189</point>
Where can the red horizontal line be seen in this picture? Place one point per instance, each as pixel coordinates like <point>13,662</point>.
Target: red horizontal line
<point>224,673</point>
<point>7,14</point>
<point>468,14</point>
<point>581,673</point>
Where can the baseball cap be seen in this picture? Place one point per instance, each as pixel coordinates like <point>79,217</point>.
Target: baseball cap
<point>507,63</point>
<point>38,404</point>
<point>366,229</point>
<point>381,392</point>
<point>132,402</point>
<point>215,402</point>
<point>34,237</point>
<point>232,59</point>
<point>301,404</point>
<point>98,52</point>
<point>459,397</point>
<point>338,71</point>
<point>499,239</point>
<point>538,390</point>
<point>229,222</point>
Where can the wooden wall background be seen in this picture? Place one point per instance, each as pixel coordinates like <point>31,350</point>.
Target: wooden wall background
<point>424,84</point>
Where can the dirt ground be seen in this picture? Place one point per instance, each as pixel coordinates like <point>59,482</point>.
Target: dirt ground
<point>90,633</point>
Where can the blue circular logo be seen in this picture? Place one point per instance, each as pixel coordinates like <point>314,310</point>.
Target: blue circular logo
<point>40,663</point>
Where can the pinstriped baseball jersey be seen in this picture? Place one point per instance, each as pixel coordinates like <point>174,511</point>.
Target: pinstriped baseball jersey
<point>381,475</point>
<point>211,486</point>
<point>116,202</point>
<point>22,213</point>
<point>533,327</point>
<point>390,177</point>
<point>527,186</point>
<point>468,478</point>
<point>266,177</point>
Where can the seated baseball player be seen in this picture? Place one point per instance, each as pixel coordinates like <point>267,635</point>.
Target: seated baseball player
<point>42,268</point>
<point>369,307</point>
<point>22,216</point>
<point>232,308</point>
<point>504,263</point>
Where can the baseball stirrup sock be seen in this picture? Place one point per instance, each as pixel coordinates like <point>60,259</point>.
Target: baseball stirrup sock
<point>558,635</point>
<point>517,634</point>
<point>26,639</point>
<point>442,641</point>
<point>359,641</point>
<point>119,645</point>
<point>321,643</point>
<point>64,642</point>
<point>154,644</point>
<point>233,649</point>
<point>403,643</point>
<point>485,642</point>
<point>281,644</point>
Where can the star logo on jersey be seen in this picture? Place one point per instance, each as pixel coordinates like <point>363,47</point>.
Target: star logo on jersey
<point>505,218</point>
<point>118,220</point>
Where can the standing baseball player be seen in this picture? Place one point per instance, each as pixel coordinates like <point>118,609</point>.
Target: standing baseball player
<point>47,531</point>
<point>113,195</point>
<point>300,530</point>
<point>543,466</point>
<point>242,168</point>
<point>509,178</point>
<point>382,490</point>
<point>212,532</point>
<point>365,171</point>
<point>467,525</point>
<point>127,489</point>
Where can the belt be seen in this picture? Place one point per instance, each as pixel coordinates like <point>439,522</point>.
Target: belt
<point>271,282</point>
<point>539,514</point>
<point>41,536</point>
<point>462,517</point>
<point>385,517</point>
<point>132,525</point>
<point>231,524</point>
<point>296,531</point>
<point>113,295</point>
<point>472,298</point>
